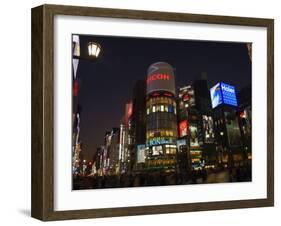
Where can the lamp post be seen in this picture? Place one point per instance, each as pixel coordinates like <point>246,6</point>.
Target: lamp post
<point>94,50</point>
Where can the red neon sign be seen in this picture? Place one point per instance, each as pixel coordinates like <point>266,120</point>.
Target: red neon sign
<point>75,88</point>
<point>155,94</point>
<point>168,94</point>
<point>158,76</point>
<point>183,128</point>
<point>242,114</point>
<point>130,110</point>
<point>185,97</point>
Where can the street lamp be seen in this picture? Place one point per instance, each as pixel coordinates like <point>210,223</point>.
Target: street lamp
<point>93,49</point>
<point>93,53</point>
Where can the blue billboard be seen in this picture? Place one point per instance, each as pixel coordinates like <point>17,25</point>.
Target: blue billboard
<point>223,93</point>
<point>216,96</point>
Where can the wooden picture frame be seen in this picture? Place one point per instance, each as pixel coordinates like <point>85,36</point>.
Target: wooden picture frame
<point>42,204</point>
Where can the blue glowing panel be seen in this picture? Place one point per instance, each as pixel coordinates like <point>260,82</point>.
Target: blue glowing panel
<point>223,93</point>
<point>228,94</point>
<point>216,96</point>
<point>170,108</point>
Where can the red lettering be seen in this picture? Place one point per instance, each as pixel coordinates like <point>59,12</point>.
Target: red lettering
<point>158,76</point>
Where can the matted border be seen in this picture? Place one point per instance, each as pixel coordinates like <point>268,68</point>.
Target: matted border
<point>43,108</point>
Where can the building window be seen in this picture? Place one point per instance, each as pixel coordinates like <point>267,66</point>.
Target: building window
<point>170,108</point>
<point>153,109</point>
<point>162,108</point>
<point>147,111</point>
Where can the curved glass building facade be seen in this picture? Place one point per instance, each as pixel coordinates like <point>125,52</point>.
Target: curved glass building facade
<point>161,117</point>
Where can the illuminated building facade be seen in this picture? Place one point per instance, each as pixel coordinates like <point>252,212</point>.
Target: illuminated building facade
<point>189,126</point>
<point>226,121</point>
<point>112,146</point>
<point>126,140</point>
<point>161,117</point>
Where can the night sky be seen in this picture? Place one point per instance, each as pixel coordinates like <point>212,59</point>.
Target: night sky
<point>106,84</point>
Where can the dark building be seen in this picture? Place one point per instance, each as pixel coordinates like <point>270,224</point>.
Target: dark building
<point>138,116</point>
<point>245,119</point>
<point>138,119</point>
<point>206,123</point>
<point>98,160</point>
<point>202,95</point>
<point>226,120</point>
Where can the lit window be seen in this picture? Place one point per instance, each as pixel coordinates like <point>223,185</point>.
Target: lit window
<point>157,108</point>
<point>147,111</point>
<point>170,108</point>
<point>153,109</point>
<point>166,108</point>
<point>162,108</point>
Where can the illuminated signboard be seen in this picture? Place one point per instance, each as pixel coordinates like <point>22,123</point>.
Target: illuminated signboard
<point>183,128</point>
<point>216,97</point>
<point>228,94</point>
<point>232,128</point>
<point>181,142</point>
<point>194,141</point>
<point>157,150</point>
<point>223,93</point>
<point>208,127</point>
<point>141,153</point>
<point>160,77</point>
<point>128,111</point>
<point>160,140</point>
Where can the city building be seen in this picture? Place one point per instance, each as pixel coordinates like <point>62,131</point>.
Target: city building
<point>245,118</point>
<point>126,140</point>
<point>113,151</point>
<point>76,145</point>
<point>189,124</point>
<point>206,122</point>
<point>226,121</point>
<point>98,160</point>
<point>161,117</point>
<point>138,121</point>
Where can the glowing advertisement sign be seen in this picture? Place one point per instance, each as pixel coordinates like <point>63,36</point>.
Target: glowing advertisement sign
<point>181,142</point>
<point>160,77</point>
<point>160,140</point>
<point>194,141</point>
<point>208,127</point>
<point>141,153</point>
<point>128,111</point>
<point>233,131</point>
<point>157,150</point>
<point>216,97</point>
<point>183,128</point>
<point>223,93</point>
